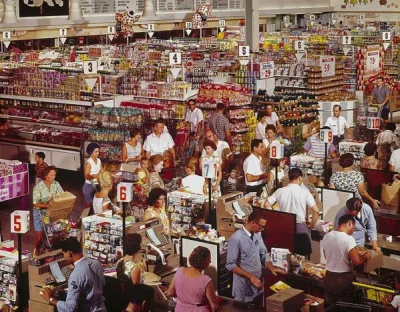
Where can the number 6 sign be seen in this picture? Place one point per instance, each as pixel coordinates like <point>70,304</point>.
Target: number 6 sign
<point>20,221</point>
<point>124,192</point>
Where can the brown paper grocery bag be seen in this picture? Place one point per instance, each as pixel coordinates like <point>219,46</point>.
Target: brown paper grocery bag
<point>60,207</point>
<point>390,197</point>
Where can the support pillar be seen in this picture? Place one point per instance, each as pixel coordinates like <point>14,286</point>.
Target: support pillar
<point>252,24</point>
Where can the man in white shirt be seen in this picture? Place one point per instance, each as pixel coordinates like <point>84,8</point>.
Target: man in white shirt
<point>254,171</point>
<point>341,254</point>
<point>223,150</point>
<point>273,119</point>
<point>159,141</point>
<point>394,162</point>
<point>194,117</point>
<point>338,124</point>
<point>296,199</point>
<point>396,299</point>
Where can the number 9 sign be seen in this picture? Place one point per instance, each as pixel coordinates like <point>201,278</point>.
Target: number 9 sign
<point>326,135</point>
<point>20,221</point>
<point>124,192</point>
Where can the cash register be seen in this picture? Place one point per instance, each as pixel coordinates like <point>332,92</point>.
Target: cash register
<point>232,212</point>
<point>158,247</point>
<point>50,269</point>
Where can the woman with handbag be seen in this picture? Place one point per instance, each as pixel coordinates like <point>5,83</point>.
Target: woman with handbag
<point>43,193</point>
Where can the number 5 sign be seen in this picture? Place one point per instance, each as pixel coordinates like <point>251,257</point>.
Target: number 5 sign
<point>244,51</point>
<point>124,192</point>
<point>20,221</point>
<point>209,169</point>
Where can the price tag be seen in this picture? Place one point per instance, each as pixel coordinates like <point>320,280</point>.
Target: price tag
<point>63,32</point>
<point>209,169</point>
<point>266,70</point>
<point>7,35</point>
<point>286,19</point>
<point>299,45</point>
<point>327,64</point>
<point>346,40</point>
<point>244,51</point>
<point>124,192</point>
<point>276,151</point>
<point>373,59</point>
<point>111,29</point>
<point>90,67</point>
<point>20,221</point>
<point>326,135</point>
<point>150,27</point>
<point>312,18</point>
<point>373,123</point>
<point>175,58</point>
<point>188,25</point>
<point>386,35</point>
<point>221,23</point>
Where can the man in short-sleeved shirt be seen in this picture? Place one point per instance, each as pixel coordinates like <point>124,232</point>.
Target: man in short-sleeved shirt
<point>338,124</point>
<point>296,199</point>
<point>394,162</point>
<point>273,119</point>
<point>195,118</point>
<point>159,141</point>
<point>254,172</point>
<point>380,95</point>
<point>218,123</point>
<point>341,253</point>
<point>316,148</point>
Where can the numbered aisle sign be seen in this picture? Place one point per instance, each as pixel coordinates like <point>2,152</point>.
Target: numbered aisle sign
<point>299,45</point>
<point>373,123</point>
<point>188,25</point>
<point>327,64</point>
<point>286,19</point>
<point>175,58</point>
<point>221,23</point>
<point>63,32</point>
<point>209,169</point>
<point>7,35</point>
<point>326,135</point>
<point>111,30</point>
<point>20,221</point>
<point>276,150</point>
<point>312,19</point>
<point>346,40</point>
<point>124,192</point>
<point>244,51</point>
<point>266,70</point>
<point>386,35</point>
<point>150,27</point>
<point>90,67</point>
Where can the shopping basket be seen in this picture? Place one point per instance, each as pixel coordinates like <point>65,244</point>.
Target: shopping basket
<point>348,307</point>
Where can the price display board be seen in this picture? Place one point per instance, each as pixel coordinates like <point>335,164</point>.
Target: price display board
<point>373,60</point>
<point>327,64</point>
<point>266,70</point>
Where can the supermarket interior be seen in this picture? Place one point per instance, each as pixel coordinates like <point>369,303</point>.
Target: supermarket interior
<point>199,155</point>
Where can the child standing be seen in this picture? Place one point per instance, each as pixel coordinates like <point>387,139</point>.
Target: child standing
<point>182,136</point>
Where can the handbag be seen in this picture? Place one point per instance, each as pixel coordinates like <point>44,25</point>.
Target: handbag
<point>390,198</point>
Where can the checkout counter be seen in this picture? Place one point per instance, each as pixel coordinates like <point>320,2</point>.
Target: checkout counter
<point>50,269</point>
<point>232,211</point>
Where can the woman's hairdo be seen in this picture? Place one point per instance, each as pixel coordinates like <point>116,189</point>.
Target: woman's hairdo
<point>198,257</point>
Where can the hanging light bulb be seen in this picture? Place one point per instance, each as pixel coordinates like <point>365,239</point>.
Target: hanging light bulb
<point>149,13</point>
<point>9,16</point>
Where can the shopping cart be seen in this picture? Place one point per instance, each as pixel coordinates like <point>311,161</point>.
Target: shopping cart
<point>348,307</point>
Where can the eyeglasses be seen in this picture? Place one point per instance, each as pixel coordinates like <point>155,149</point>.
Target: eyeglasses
<point>262,227</point>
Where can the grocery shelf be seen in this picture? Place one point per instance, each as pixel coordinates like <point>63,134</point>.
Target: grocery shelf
<point>46,100</point>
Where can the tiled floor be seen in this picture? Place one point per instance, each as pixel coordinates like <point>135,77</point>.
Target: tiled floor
<point>72,182</point>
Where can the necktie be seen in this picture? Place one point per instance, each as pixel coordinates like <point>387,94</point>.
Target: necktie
<point>251,236</point>
<point>338,126</point>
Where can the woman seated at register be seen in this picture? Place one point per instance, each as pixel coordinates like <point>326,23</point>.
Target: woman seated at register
<point>156,164</point>
<point>194,290</point>
<point>193,183</point>
<point>156,201</point>
<point>101,201</point>
<point>140,296</point>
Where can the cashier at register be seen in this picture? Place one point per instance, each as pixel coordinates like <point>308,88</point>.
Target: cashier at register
<point>246,256</point>
<point>365,221</point>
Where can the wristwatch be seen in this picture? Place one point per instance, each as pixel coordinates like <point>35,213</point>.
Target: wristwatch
<point>51,300</point>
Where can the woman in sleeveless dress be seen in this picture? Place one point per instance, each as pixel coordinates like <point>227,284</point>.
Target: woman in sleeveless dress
<point>91,172</point>
<point>132,149</point>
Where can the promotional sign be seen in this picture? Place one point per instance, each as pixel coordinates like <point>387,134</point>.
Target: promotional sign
<point>266,70</point>
<point>209,169</point>
<point>20,221</point>
<point>299,45</point>
<point>373,59</point>
<point>373,123</point>
<point>124,192</point>
<point>276,150</point>
<point>327,64</point>
<point>14,186</point>
<point>244,51</point>
<point>326,135</point>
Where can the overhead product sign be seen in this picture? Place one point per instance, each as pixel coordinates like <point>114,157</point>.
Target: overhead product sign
<point>327,64</point>
<point>373,59</point>
<point>266,70</point>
